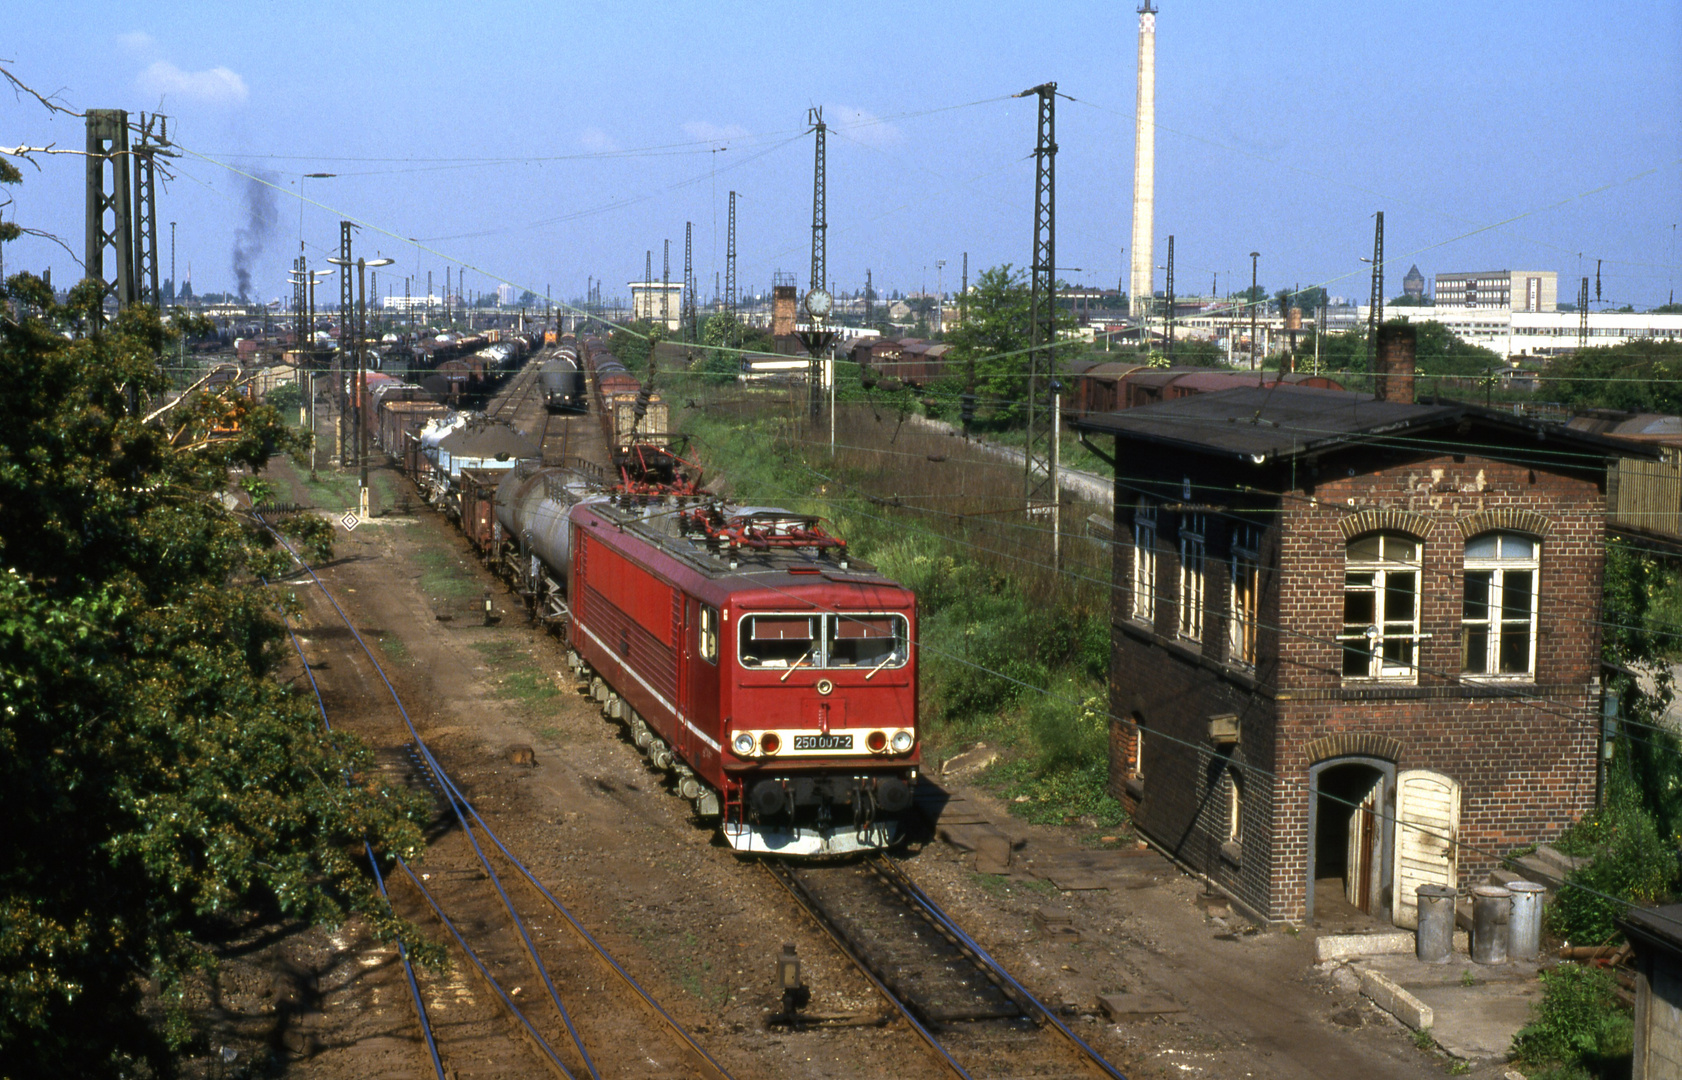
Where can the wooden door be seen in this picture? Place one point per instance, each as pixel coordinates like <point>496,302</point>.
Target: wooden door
<point>1363,851</point>
<point>1427,837</point>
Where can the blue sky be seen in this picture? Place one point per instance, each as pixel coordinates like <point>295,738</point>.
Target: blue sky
<point>544,143</point>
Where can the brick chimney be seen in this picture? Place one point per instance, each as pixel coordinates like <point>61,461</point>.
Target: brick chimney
<point>782,310</point>
<point>1393,381</point>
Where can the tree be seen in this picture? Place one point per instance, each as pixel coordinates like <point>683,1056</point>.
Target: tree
<point>1637,376</point>
<point>1437,351</point>
<point>155,778</point>
<point>633,342</point>
<point>995,337</point>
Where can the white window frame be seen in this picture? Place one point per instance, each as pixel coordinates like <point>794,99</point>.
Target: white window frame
<point>1389,632</point>
<point>1496,622</point>
<point>1243,623</point>
<point>1234,806</point>
<point>1192,580</point>
<point>1144,562</point>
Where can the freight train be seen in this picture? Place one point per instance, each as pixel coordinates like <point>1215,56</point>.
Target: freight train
<point>747,653</point>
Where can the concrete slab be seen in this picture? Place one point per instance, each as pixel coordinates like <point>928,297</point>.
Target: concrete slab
<point>1410,972</point>
<point>1396,1001</point>
<point>1347,946</point>
<point>1137,1006</point>
<point>1478,1023</point>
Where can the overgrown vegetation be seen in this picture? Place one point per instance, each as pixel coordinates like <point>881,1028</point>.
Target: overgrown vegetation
<point>1636,376</point>
<point>156,780</point>
<point>1011,651</point>
<point>1580,1031</point>
<point>1632,839</point>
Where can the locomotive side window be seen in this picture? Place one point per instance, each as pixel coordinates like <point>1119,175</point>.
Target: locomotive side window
<point>778,640</point>
<point>709,634</point>
<point>864,640</point>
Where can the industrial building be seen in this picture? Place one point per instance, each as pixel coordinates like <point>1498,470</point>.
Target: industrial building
<point>1499,290</point>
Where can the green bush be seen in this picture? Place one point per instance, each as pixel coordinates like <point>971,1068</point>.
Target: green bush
<point>1579,1026</point>
<point>1630,862</point>
<point>285,397</point>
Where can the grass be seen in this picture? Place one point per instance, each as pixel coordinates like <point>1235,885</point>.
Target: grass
<point>520,679</point>
<point>441,574</point>
<point>394,647</point>
<point>1014,649</point>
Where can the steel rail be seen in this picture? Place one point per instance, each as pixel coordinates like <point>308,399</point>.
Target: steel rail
<point>373,864</point>
<point>782,875</point>
<point>408,967</point>
<point>536,960</point>
<point>707,1063</point>
<point>552,1059</point>
<point>886,867</point>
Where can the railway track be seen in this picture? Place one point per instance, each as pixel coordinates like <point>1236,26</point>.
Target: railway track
<point>572,1019</point>
<point>974,1017</point>
<point>563,437</point>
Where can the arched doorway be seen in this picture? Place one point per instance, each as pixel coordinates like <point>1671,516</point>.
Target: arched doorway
<point>1350,810</point>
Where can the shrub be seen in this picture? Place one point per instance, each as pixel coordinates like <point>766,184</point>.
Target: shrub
<point>1630,862</point>
<point>1579,1024</point>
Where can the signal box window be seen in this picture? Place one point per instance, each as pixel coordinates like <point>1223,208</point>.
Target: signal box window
<point>1191,576</point>
<point>1498,614</point>
<point>1246,595</point>
<point>709,634</point>
<point>1144,562</point>
<point>1380,607</point>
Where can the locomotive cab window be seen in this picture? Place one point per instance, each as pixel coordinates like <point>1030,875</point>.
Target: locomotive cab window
<point>778,640</point>
<point>864,640</point>
<point>829,641</point>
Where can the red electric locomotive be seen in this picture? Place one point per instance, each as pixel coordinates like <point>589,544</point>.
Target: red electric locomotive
<point>749,654</point>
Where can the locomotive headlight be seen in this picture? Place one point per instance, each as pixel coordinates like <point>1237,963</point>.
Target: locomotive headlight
<point>743,743</point>
<point>902,741</point>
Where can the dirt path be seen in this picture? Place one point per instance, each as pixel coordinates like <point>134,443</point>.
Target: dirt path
<point>697,926</point>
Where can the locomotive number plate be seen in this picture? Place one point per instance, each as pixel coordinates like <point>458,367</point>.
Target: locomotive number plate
<point>823,742</point>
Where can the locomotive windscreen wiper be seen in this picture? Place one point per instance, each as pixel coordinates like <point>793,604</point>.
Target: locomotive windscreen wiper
<point>794,665</point>
<point>886,660</point>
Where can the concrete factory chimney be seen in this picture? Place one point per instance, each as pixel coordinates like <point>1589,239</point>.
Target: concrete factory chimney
<point>1140,286</point>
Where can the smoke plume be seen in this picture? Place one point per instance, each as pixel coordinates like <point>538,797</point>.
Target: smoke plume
<point>261,218</point>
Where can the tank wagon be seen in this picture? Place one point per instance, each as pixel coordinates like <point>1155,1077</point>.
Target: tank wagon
<point>742,648</point>
<point>562,382</point>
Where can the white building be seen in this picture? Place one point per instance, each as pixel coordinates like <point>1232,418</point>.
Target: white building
<point>1499,290</point>
<point>1540,333</point>
<point>406,304</point>
<point>657,301</point>
<point>506,295</point>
